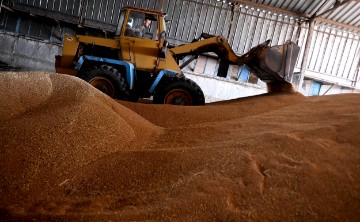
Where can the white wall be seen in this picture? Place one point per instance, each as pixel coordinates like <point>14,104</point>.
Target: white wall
<point>218,89</point>
<point>204,72</point>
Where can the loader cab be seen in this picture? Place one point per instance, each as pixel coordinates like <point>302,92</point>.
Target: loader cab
<point>139,32</point>
<point>141,25</point>
<point>138,24</point>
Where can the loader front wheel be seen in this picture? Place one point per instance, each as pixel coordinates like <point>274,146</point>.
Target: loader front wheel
<point>179,91</point>
<point>104,85</point>
<point>108,80</point>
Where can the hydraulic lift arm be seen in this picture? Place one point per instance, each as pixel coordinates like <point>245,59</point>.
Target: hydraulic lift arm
<point>270,64</point>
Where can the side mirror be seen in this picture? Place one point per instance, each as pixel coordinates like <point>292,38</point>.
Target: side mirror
<point>163,45</point>
<point>163,50</point>
<point>163,35</point>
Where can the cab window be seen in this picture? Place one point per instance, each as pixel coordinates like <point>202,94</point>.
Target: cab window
<point>142,25</point>
<point>120,23</point>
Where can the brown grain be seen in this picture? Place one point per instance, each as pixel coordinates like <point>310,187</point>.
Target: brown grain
<point>69,152</point>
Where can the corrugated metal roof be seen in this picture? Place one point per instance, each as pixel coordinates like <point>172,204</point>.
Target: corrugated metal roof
<point>348,14</point>
<point>344,14</point>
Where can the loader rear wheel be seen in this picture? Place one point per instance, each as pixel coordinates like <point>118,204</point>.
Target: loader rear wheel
<point>179,91</point>
<point>108,80</point>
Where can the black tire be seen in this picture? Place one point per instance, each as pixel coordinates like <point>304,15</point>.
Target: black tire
<point>178,91</point>
<point>106,79</point>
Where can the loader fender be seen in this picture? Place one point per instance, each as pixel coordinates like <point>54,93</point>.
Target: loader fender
<point>160,76</point>
<point>129,67</point>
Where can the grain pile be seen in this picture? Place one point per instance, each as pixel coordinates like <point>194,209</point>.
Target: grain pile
<point>68,152</point>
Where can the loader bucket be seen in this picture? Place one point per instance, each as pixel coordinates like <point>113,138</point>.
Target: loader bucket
<point>276,63</point>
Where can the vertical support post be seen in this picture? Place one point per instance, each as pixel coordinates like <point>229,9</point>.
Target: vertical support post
<point>51,34</point>
<point>357,71</point>
<point>298,33</point>
<point>62,35</point>
<point>306,53</point>
<point>17,27</point>
<point>234,7</point>
<point>29,28</point>
<point>160,5</point>
<point>80,12</point>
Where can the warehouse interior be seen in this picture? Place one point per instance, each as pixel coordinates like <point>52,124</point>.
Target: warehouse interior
<point>32,34</point>
<point>197,127</point>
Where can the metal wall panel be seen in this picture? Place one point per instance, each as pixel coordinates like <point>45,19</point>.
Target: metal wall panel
<point>65,6</point>
<point>190,18</point>
<point>254,25</point>
<point>245,27</point>
<point>334,53</point>
<point>348,13</point>
<point>98,10</point>
<point>107,11</point>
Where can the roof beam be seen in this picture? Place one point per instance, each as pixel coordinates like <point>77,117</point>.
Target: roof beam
<point>314,17</point>
<point>331,22</point>
<point>336,5</point>
<point>319,9</point>
<point>272,8</point>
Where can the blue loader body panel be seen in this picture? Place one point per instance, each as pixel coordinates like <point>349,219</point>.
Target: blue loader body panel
<point>130,70</point>
<point>129,67</point>
<point>159,77</point>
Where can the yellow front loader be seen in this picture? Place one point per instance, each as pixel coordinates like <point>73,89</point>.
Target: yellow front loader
<point>137,62</point>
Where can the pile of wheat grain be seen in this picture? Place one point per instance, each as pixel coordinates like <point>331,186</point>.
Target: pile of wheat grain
<point>69,152</point>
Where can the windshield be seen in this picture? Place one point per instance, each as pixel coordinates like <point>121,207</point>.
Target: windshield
<point>142,25</point>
